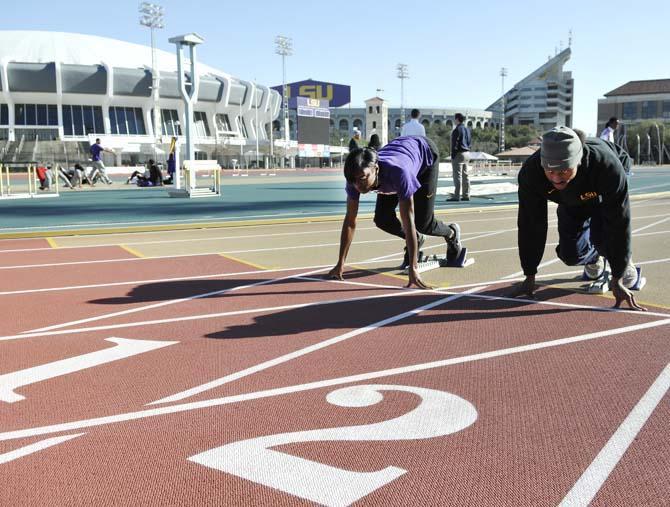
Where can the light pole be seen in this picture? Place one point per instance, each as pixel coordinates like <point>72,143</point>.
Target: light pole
<point>190,40</point>
<point>403,74</point>
<point>242,138</point>
<point>341,149</point>
<point>284,47</point>
<point>639,161</point>
<point>256,122</point>
<point>152,16</point>
<point>503,73</point>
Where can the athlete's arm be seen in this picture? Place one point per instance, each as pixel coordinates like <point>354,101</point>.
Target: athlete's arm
<point>346,237</point>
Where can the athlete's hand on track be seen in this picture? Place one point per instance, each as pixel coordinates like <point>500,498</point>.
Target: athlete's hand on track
<point>622,294</point>
<point>525,288</point>
<point>335,273</point>
<point>415,279</point>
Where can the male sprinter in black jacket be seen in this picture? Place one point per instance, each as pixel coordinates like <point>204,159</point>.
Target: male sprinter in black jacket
<point>588,182</point>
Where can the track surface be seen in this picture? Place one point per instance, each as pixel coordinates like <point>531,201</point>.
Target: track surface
<point>217,367</point>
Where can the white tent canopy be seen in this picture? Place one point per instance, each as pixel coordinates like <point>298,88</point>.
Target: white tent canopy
<point>480,155</point>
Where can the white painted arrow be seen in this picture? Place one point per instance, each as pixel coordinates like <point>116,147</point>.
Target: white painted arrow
<point>125,348</point>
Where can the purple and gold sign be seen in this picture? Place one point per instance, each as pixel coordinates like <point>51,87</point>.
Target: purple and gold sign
<point>336,94</point>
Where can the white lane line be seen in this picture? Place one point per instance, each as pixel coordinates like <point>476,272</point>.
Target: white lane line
<point>590,482</point>
<point>399,291</point>
<point>203,221</point>
<point>227,400</point>
<point>187,240</point>
<point>169,302</point>
<point>651,225</point>
<point>650,186</point>
<point>146,281</point>
<point>442,245</point>
<point>449,290</point>
<point>35,447</point>
<point>543,264</point>
<point>219,252</point>
<point>306,350</point>
<point>547,263</point>
<point>275,270</point>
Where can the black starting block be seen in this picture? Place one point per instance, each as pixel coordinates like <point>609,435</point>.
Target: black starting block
<point>428,262</point>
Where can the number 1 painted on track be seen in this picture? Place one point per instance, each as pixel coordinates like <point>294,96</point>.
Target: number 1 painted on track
<point>439,414</point>
<point>125,348</point>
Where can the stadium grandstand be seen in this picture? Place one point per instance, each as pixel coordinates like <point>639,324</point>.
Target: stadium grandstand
<point>61,91</point>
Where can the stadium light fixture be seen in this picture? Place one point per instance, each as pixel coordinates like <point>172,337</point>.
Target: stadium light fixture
<point>503,73</point>
<point>153,16</point>
<point>403,74</point>
<point>284,48</point>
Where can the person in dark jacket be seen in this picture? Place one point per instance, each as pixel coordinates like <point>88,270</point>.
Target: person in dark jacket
<point>375,143</point>
<point>460,156</point>
<point>588,182</point>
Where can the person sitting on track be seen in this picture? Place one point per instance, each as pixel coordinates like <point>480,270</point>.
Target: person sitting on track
<point>403,172</point>
<point>588,182</point>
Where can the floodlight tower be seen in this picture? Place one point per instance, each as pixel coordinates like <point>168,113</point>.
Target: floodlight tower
<point>403,74</point>
<point>152,16</point>
<point>503,73</point>
<point>284,48</point>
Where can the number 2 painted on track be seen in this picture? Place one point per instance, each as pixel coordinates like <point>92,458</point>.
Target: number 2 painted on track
<point>439,414</point>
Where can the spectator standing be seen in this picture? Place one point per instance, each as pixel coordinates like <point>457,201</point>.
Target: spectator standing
<point>171,169</point>
<point>98,165</point>
<point>355,141</point>
<point>413,127</point>
<point>460,156</point>
<point>374,143</point>
<point>610,127</point>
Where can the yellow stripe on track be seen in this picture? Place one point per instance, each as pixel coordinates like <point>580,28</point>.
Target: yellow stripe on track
<point>242,261</point>
<point>132,251</point>
<point>52,243</point>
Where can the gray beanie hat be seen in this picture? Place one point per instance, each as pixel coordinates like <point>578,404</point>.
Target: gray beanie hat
<point>561,149</point>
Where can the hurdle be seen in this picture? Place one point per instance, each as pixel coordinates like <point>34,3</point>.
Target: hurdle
<point>197,185</point>
<point>9,192</point>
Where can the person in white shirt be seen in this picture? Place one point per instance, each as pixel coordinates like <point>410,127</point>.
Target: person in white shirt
<point>413,127</point>
<point>608,133</point>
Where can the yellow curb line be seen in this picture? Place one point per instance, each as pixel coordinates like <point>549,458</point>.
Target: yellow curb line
<point>133,251</point>
<point>247,223</point>
<point>242,261</point>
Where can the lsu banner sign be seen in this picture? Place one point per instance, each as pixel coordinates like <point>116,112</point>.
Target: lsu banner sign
<point>336,94</point>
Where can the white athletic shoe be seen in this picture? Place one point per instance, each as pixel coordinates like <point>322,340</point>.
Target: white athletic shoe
<point>629,277</point>
<point>595,270</point>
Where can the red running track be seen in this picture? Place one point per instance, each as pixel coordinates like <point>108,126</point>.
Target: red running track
<point>469,402</point>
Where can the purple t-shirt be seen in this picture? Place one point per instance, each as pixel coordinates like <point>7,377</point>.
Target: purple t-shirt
<point>400,163</point>
<point>96,149</point>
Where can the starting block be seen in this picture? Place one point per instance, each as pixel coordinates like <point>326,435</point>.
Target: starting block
<point>600,285</point>
<point>641,280</point>
<point>429,262</point>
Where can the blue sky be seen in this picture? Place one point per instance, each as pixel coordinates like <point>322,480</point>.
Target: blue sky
<point>454,50</point>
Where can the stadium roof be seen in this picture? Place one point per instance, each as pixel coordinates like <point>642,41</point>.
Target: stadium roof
<point>641,88</point>
<point>79,49</point>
